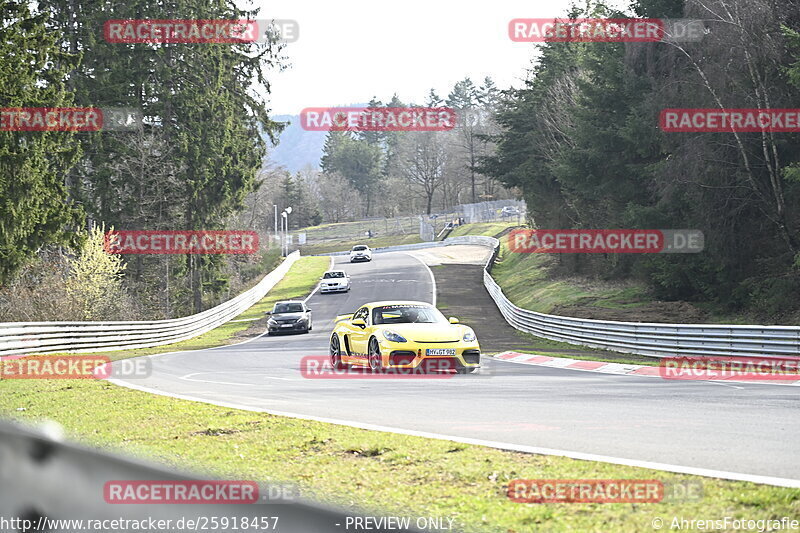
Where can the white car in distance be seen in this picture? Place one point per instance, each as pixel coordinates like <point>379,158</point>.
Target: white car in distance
<point>360,252</point>
<point>334,281</point>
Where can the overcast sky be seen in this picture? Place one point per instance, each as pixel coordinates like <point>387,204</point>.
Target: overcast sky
<point>351,50</point>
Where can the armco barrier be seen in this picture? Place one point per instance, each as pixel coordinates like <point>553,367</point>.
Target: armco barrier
<point>645,338</point>
<point>58,337</point>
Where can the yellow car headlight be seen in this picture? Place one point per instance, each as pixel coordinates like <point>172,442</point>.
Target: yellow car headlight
<point>469,336</point>
<point>390,335</point>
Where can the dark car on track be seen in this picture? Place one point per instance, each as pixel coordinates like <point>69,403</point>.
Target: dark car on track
<point>289,317</point>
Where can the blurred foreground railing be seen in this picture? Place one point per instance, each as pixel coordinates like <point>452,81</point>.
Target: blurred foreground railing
<point>56,486</point>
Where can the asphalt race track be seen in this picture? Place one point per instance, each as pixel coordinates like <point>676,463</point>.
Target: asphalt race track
<point>739,430</point>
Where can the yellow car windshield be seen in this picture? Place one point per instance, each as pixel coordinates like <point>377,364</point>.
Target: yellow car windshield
<point>406,314</point>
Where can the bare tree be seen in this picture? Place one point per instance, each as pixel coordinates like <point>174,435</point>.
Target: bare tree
<point>736,65</point>
<point>422,161</point>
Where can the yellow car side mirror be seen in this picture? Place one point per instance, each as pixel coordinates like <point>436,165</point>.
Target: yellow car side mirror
<point>453,320</point>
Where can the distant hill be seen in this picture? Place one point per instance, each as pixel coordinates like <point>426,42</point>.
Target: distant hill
<point>298,147</point>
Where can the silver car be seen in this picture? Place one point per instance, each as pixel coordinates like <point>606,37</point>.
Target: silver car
<point>334,281</point>
<point>360,252</point>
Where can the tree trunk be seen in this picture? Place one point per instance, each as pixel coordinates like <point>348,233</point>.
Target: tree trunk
<point>472,177</point>
<point>197,290</point>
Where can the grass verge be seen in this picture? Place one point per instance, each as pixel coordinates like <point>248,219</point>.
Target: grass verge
<point>375,242</point>
<point>398,474</point>
<point>356,228</point>
<point>487,229</point>
<point>526,282</point>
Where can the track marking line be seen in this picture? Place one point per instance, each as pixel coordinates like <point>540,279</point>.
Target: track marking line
<point>430,273</point>
<point>679,469</point>
<point>330,267</point>
<point>188,377</point>
<point>726,385</point>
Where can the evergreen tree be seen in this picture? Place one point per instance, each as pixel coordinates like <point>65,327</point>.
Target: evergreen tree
<point>294,192</point>
<point>375,138</point>
<point>199,97</point>
<point>463,96</point>
<point>434,100</point>
<point>34,206</point>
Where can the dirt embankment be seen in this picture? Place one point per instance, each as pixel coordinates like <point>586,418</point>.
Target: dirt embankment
<point>670,312</point>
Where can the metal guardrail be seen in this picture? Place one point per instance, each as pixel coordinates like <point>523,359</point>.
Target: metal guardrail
<point>647,338</point>
<point>59,337</point>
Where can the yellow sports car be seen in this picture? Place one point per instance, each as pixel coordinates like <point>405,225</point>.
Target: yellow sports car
<point>403,335</point>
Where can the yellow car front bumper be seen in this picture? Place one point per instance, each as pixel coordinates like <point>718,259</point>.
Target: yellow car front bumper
<point>436,355</point>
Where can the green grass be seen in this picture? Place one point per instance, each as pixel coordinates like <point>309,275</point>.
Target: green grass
<point>488,229</point>
<point>526,281</point>
<point>397,474</point>
<point>351,230</point>
<point>375,242</point>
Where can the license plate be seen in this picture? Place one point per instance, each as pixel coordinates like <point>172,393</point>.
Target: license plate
<point>286,325</point>
<point>440,351</point>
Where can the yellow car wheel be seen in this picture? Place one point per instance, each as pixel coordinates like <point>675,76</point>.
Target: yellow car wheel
<point>374,356</point>
<point>336,353</point>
